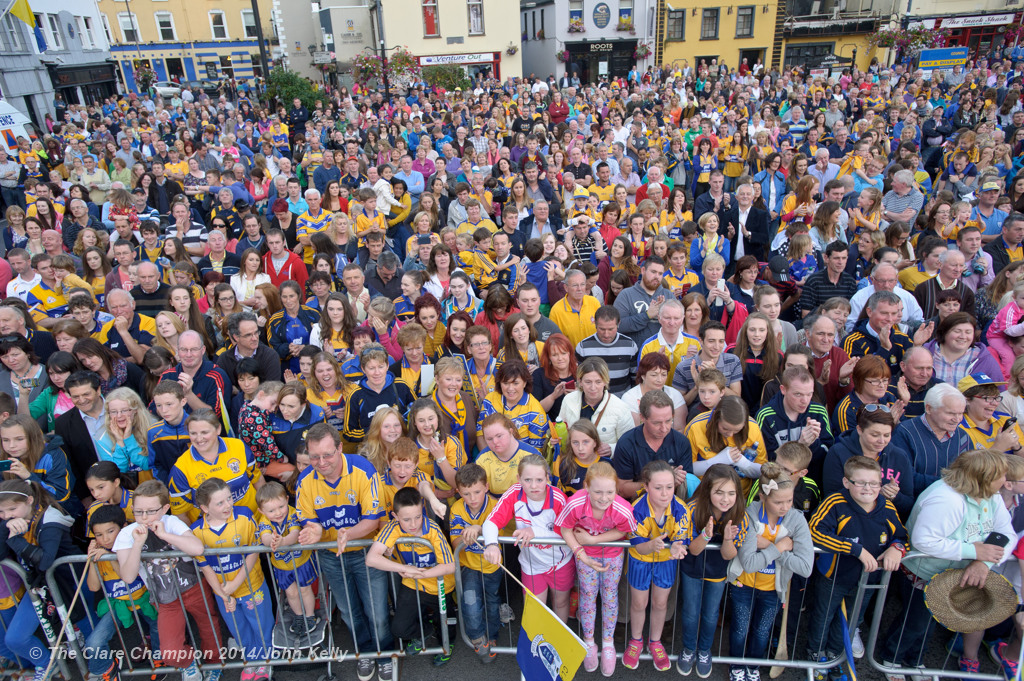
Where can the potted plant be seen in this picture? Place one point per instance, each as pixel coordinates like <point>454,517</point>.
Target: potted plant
<point>625,25</point>
<point>642,51</point>
<point>144,77</point>
<point>562,56</point>
<point>576,25</point>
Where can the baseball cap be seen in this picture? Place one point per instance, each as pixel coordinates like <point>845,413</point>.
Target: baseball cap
<point>779,267</point>
<point>139,190</point>
<point>974,380</point>
<point>581,193</point>
<point>990,186</point>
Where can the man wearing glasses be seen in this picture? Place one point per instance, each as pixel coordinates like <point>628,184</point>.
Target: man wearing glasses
<point>206,385</point>
<point>244,331</point>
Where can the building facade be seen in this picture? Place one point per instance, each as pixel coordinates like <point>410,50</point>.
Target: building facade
<point>829,35</point>
<point>594,39</point>
<point>981,29</point>
<point>691,32</point>
<point>186,40</point>
<point>475,34</point>
<point>336,29</point>
<point>75,64</point>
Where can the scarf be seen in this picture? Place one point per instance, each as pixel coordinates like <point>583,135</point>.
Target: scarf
<point>118,376</point>
<point>458,418</point>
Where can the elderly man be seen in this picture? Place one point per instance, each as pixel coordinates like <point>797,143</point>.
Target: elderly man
<point>386,277</point>
<point>832,366</point>
<point>885,278</point>
<point>95,179</point>
<point>129,334</point>
<point>749,224</point>
<point>206,385</point>
<point>654,177</point>
<point>574,313</point>
<point>654,439</point>
<point>878,334</point>
<point>951,269</point>
<point>53,245</point>
<point>151,293</point>
<point>541,222</point>
<point>669,340</point>
<point>823,169</point>
<point>934,439</point>
<point>218,259</point>
<point>414,180</point>
<point>915,378</point>
<point>45,299</point>
<point>1006,247</point>
<point>14,321</point>
<point>358,294</point>
<point>903,202</point>
<point>244,331</point>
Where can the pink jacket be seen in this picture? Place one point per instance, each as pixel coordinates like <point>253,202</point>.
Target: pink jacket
<point>1008,322</point>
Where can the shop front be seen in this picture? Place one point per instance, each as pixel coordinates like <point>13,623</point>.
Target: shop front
<point>599,59</point>
<point>84,83</point>
<point>487,63</point>
<point>981,34</point>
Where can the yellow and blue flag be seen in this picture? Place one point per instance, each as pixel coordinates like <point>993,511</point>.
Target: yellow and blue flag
<point>548,650</point>
<point>23,11</point>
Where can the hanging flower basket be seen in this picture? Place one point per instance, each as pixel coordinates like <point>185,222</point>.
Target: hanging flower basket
<point>144,77</point>
<point>642,51</point>
<point>576,26</point>
<point>368,67</point>
<point>909,41</point>
<point>511,50</point>
<point>562,56</point>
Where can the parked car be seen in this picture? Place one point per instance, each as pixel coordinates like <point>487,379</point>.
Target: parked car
<point>167,89</point>
<point>209,87</point>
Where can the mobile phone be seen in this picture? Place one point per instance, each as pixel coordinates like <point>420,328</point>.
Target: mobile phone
<point>997,539</point>
<point>1010,423</point>
<point>570,384</point>
<point>5,465</point>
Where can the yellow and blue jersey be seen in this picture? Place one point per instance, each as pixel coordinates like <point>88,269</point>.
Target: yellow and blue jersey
<point>709,564</point>
<point>469,227</point>
<point>763,579</point>
<point>680,285</point>
<point>285,559</point>
<point>133,594</point>
<point>604,194</point>
<point>405,309</point>
<point>419,556</point>
<point>454,453</point>
<point>365,222</point>
<point>675,353</point>
<point>235,465</point>
<point>307,225</point>
<point>461,518</point>
<point>238,531</point>
<point>45,302</point>
<point>984,436</point>
<point>696,433</point>
<point>125,502</point>
<point>387,488</point>
<point>674,523</point>
<point>527,414</point>
<point>343,503</point>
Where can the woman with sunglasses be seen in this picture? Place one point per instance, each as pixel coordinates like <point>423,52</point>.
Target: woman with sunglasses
<point>870,387</point>
<point>872,438</point>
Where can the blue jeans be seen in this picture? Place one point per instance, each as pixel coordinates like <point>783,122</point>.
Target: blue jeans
<point>700,601</point>
<point>98,643</point>
<point>21,638</point>
<point>753,614</point>
<point>361,594</point>
<point>481,603</point>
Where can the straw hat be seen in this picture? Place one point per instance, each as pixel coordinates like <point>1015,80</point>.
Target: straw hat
<point>967,609</point>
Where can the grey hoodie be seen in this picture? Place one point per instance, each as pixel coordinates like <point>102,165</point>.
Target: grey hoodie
<point>798,561</point>
<point>632,304</point>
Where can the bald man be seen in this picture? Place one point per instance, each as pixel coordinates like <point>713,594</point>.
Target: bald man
<point>151,293</point>
<point>206,385</point>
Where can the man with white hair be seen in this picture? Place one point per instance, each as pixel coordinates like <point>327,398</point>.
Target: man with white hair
<point>653,177</point>
<point>934,439</point>
<point>129,334</point>
<point>949,277</point>
<point>903,202</point>
<point>670,339</point>
<point>916,377</point>
<point>206,385</point>
<point>574,313</point>
<point>218,259</point>
<point>884,278</point>
<point>314,220</point>
<point>151,293</point>
<point>823,168</point>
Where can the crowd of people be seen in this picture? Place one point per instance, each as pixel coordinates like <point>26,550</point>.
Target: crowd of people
<point>709,306</point>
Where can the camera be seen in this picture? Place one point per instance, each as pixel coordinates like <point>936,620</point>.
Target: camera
<point>977,266</point>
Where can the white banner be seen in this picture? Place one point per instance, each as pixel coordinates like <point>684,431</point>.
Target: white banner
<point>984,20</point>
<point>484,57</point>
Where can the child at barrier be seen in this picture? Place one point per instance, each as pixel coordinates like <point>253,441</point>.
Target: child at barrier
<point>778,546</point>
<point>108,487</point>
<point>597,515</point>
<point>403,458</point>
<point>717,515</point>
<point>294,571</point>
<point>440,455</point>
<point>173,582</point>
<point>855,526</point>
<point>660,539</point>
<point>570,468</point>
<point>534,504</point>
<point>236,579</point>
<point>168,439</point>
<point>122,601</point>
<point>420,568</point>
<point>481,581</point>
<point>12,590</point>
<point>35,531</point>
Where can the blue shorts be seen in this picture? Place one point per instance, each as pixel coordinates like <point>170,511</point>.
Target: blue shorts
<point>304,574</point>
<point>642,573</point>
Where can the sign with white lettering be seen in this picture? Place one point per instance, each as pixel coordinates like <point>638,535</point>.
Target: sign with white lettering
<point>984,20</point>
<point>601,47</point>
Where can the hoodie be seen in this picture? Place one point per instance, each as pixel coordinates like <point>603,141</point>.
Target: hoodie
<point>778,429</point>
<point>895,463</point>
<point>364,403</point>
<point>799,561</point>
<point>632,304</point>
<point>841,528</point>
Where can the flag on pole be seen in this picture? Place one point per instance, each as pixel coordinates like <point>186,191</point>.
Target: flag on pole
<point>847,643</point>
<point>548,650</point>
<point>23,11</point>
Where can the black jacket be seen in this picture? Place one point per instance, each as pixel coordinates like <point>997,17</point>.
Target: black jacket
<point>526,226</point>
<point>757,225</point>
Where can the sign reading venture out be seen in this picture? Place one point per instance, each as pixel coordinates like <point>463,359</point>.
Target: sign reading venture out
<point>482,57</point>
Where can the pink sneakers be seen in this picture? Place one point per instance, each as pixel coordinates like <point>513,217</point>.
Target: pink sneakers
<point>631,658</point>
<point>590,662</point>
<point>661,661</point>
<point>608,659</point>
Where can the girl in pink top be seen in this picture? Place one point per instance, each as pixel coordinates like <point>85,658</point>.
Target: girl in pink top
<point>1009,321</point>
<point>596,515</point>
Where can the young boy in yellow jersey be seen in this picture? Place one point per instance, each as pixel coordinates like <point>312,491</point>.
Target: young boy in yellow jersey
<point>116,611</point>
<point>580,206</point>
<point>149,250</point>
<point>464,259</point>
<point>481,581</point>
<point>367,218</point>
<point>678,277</point>
<point>236,579</point>
<point>294,571</point>
<point>421,569</point>
<point>402,472</point>
<point>484,269</point>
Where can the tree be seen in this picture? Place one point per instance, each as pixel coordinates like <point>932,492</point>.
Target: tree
<point>447,76</point>
<point>287,85</point>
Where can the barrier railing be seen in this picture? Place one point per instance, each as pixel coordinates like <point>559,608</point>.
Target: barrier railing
<point>322,651</point>
<point>7,567</point>
<point>894,667</point>
<point>808,666</point>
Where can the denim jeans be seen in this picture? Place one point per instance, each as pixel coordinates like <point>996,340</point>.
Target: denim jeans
<point>21,638</point>
<point>481,603</point>
<point>825,633</point>
<point>97,644</point>
<point>753,614</point>
<point>700,601</point>
<point>905,641</point>
<point>361,594</point>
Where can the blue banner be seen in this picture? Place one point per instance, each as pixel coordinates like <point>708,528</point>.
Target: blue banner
<point>944,58</point>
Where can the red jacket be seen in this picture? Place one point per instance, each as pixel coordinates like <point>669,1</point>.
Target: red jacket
<point>293,269</point>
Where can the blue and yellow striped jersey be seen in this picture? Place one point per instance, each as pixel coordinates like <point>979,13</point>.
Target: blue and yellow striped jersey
<point>454,453</point>
<point>125,503</point>
<point>527,414</point>
<point>284,560</point>
<point>387,488</point>
<point>307,225</point>
<point>45,302</point>
<point>461,518</point>
<point>235,465</point>
<point>419,556</point>
<point>134,593</point>
<point>343,503</point>
<point>674,522</point>
<point>675,353</point>
<point>239,531</point>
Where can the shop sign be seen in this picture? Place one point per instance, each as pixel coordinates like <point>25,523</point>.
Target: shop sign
<point>971,22</point>
<point>601,47</point>
<point>435,60</point>
<point>602,15</point>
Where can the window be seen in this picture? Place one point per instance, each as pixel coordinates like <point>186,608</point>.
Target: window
<point>226,67</point>
<point>165,26</point>
<point>248,24</point>
<point>106,29</point>
<point>745,22</point>
<point>129,28</point>
<point>675,25</point>
<point>54,23</point>
<point>626,10</point>
<point>88,35</point>
<point>218,25</point>
<point>526,25</point>
<point>431,21</point>
<point>13,33</point>
<point>476,16</point>
<point>709,25</point>
<point>576,9</point>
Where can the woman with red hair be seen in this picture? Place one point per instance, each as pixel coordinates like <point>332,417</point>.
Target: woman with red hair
<point>556,374</point>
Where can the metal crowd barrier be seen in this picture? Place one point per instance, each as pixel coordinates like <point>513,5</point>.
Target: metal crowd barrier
<point>319,653</point>
<point>807,666</point>
<point>49,633</point>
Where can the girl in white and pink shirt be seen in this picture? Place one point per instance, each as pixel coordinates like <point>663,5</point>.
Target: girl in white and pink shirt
<point>595,515</point>
<point>1009,322</point>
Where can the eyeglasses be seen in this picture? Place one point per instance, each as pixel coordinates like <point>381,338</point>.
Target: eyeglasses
<point>122,412</point>
<point>876,382</point>
<point>871,408</point>
<point>143,513</point>
<point>862,484</point>
<point>988,399</point>
<point>322,457</point>
<point>480,344</point>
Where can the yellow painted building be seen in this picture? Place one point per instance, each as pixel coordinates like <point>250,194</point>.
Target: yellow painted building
<point>475,34</point>
<point>812,48</point>
<point>185,39</point>
<point>691,31</point>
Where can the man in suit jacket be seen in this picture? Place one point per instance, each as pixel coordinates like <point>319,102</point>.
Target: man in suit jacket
<point>749,223</point>
<point>81,426</point>
<point>542,221</point>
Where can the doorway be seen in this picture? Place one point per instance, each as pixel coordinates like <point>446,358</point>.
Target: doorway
<point>752,56</point>
<point>175,69</point>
